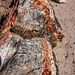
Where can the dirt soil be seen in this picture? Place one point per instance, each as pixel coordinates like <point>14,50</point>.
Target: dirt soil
<point>65,54</point>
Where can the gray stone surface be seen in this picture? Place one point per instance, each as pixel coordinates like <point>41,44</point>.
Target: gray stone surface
<point>8,47</point>
<point>28,59</point>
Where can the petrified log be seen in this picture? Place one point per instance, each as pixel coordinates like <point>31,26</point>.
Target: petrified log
<point>30,57</point>
<point>29,39</point>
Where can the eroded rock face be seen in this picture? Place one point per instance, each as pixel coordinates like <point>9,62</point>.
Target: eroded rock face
<point>8,47</point>
<point>4,13</point>
<point>35,20</point>
<point>29,59</point>
<point>30,17</point>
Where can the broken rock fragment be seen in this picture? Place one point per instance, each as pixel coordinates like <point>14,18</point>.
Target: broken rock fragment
<point>8,47</point>
<point>30,58</point>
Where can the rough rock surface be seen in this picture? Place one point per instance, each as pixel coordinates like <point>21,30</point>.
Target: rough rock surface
<point>31,22</point>
<point>8,47</point>
<point>28,57</point>
<point>4,11</point>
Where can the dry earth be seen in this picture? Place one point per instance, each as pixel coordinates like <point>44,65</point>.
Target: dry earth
<point>65,54</point>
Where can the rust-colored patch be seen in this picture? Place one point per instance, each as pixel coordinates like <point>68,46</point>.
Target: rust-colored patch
<point>6,33</point>
<point>50,28</point>
<point>4,37</point>
<point>11,19</point>
<point>46,64</point>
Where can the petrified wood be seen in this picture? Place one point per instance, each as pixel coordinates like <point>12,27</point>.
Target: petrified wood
<point>27,39</point>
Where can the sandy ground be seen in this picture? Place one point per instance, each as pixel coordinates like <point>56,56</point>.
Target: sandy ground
<point>65,54</point>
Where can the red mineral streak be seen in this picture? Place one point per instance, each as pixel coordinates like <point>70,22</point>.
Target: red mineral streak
<point>4,37</point>
<point>46,70</point>
<point>11,19</point>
